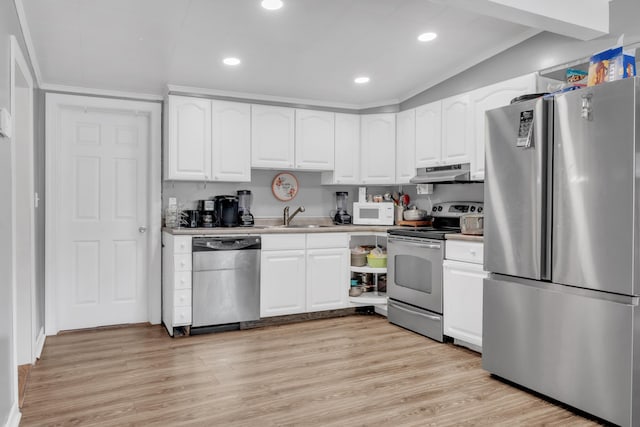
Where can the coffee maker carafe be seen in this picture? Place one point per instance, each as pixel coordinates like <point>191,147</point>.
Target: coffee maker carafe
<point>226,208</point>
<point>341,216</point>
<point>245,218</point>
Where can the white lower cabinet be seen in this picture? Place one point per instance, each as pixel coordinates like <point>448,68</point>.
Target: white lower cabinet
<point>176,281</point>
<point>282,282</point>
<point>302,273</point>
<point>462,295</point>
<point>327,278</point>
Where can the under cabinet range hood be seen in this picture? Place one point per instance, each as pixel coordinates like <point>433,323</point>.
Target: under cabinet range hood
<point>443,174</point>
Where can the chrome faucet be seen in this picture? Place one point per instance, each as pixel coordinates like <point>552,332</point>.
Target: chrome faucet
<point>287,218</point>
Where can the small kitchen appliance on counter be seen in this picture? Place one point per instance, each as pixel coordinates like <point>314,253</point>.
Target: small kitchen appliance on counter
<point>245,218</point>
<point>207,213</point>
<point>341,216</point>
<point>414,270</point>
<point>226,208</point>
<point>373,213</point>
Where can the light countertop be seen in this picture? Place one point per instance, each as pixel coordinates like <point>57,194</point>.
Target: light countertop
<point>466,237</point>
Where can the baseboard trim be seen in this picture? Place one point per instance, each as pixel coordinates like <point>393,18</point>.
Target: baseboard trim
<point>40,343</point>
<point>14,416</point>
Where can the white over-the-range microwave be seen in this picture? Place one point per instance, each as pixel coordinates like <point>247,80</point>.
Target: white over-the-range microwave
<point>368,213</point>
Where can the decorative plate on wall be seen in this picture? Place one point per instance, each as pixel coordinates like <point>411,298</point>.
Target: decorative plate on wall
<point>284,186</point>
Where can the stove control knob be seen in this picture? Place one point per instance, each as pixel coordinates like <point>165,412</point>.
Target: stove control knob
<point>439,208</point>
<point>434,209</point>
<point>480,209</point>
<point>472,208</point>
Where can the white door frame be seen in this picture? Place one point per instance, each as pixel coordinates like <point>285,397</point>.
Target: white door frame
<point>19,65</point>
<point>54,104</point>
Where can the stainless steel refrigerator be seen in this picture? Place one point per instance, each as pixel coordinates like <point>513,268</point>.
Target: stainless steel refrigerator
<point>562,243</point>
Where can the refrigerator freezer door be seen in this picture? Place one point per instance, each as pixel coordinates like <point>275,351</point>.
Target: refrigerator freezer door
<point>593,188</point>
<point>565,343</point>
<point>515,188</point>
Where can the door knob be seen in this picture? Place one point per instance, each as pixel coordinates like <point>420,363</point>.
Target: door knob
<point>142,229</point>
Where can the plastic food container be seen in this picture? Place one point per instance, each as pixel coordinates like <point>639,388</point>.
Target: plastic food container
<point>377,261</point>
<point>359,259</point>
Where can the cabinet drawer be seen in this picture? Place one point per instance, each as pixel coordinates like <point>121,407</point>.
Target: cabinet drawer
<point>181,244</point>
<point>182,280</point>
<point>182,298</point>
<point>182,262</point>
<point>274,242</point>
<point>181,316</point>
<point>327,240</point>
<point>464,251</point>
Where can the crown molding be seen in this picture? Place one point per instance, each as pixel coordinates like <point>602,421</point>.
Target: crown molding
<point>101,92</point>
<point>26,34</point>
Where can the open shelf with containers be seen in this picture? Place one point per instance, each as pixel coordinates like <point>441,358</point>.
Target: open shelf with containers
<point>373,277</point>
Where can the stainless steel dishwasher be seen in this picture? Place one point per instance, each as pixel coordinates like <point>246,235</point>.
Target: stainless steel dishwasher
<point>226,280</point>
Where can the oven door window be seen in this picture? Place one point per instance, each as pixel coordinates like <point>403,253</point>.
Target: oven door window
<point>411,272</point>
<point>415,274</point>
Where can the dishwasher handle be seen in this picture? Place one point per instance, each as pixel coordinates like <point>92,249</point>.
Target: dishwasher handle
<point>226,243</point>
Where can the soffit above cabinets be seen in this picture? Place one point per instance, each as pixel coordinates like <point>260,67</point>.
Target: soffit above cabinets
<point>309,50</point>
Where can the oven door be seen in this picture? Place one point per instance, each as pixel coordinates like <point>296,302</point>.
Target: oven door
<point>415,272</point>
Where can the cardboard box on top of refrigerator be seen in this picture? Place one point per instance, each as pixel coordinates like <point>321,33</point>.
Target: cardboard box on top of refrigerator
<point>611,64</point>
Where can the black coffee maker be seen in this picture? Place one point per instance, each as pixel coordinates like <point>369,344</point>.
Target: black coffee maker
<point>207,213</point>
<point>226,209</point>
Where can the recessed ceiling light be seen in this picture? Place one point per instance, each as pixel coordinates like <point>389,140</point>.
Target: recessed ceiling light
<point>271,4</point>
<point>231,61</point>
<point>427,37</point>
<point>362,80</point>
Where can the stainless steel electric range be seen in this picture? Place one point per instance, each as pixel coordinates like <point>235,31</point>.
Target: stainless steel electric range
<point>414,269</point>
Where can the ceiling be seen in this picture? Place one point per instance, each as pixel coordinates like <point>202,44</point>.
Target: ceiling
<point>310,50</point>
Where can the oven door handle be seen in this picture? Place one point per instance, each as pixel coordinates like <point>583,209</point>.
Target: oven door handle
<point>414,244</point>
<point>428,316</point>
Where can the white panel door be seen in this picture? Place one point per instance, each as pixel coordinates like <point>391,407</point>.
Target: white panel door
<point>488,98</point>
<point>282,282</point>
<point>462,300</point>
<point>272,137</point>
<point>327,279</point>
<point>429,134</point>
<point>315,140</point>
<point>102,199</point>
<point>378,148</point>
<point>405,146</point>
<point>189,144</point>
<point>457,122</point>
<point>231,141</point>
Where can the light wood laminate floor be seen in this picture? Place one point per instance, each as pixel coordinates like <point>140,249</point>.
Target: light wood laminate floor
<point>356,370</point>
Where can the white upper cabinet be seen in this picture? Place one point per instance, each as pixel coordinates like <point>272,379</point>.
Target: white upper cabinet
<point>429,134</point>
<point>377,148</point>
<point>457,121</point>
<point>231,141</point>
<point>188,150</point>
<point>490,97</point>
<point>347,151</point>
<point>405,146</point>
<point>272,137</point>
<point>314,146</point>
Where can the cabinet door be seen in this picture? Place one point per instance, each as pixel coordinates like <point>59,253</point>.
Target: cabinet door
<point>457,121</point>
<point>429,134</point>
<point>272,137</point>
<point>378,147</point>
<point>314,140</point>
<point>189,145</point>
<point>347,151</point>
<point>462,298</point>
<point>405,146</point>
<point>231,141</point>
<point>282,283</point>
<point>327,279</point>
<point>488,98</point>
